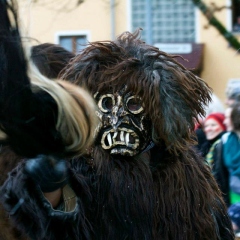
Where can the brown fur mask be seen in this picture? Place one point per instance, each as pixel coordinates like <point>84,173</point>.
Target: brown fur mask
<point>173,95</point>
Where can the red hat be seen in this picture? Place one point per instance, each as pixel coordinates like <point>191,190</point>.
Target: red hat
<point>219,117</point>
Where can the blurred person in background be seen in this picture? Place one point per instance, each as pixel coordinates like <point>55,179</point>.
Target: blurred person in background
<point>234,213</point>
<point>231,158</point>
<point>214,128</point>
<point>233,97</point>
<point>215,106</point>
<point>231,150</point>
<point>226,163</point>
<point>232,93</point>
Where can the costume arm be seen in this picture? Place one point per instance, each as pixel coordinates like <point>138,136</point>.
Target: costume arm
<point>33,214</point>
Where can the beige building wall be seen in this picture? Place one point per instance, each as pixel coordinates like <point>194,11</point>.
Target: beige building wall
<point>43,21</point>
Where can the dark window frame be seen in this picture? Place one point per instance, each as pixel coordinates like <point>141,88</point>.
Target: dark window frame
<point>236,16</point>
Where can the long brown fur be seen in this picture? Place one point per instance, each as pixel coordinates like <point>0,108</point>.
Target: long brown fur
<point>50,58</point>
<point>170,184</point>
<point>186,196</point>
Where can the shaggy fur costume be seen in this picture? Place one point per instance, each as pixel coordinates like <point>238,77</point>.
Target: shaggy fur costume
<point>35,108</point>
<point>50,59</point>
<point>8,161</point>
<point>164,192</point>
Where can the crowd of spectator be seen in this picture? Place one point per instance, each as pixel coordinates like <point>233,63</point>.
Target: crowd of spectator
<point>219,144</point>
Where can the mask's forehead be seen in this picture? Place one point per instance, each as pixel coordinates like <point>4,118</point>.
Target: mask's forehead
<point>120,81</point>
<point>110,91</point>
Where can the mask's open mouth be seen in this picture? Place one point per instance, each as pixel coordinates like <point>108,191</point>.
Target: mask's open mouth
<point>121,138</point>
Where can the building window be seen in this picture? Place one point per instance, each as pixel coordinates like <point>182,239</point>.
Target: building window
<point>73,43</point>
<point>165,21</point>
<point>236,15</point>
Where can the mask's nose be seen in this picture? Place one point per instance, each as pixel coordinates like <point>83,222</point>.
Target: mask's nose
<point>117,112</point>
<point>115,115</point>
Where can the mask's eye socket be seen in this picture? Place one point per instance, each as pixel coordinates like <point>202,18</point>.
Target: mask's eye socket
<point>106,103</point>
<point>134,105</point>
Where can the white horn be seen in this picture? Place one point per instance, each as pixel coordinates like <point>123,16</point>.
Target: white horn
<point>109,139</point>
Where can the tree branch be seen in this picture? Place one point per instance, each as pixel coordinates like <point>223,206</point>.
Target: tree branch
<point>209,14</point>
